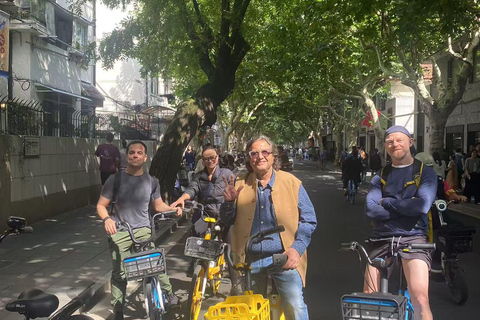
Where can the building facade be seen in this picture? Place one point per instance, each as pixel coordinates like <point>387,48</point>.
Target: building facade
<point>51,62</point>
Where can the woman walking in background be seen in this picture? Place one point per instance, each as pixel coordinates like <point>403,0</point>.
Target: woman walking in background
<point>452,173</point>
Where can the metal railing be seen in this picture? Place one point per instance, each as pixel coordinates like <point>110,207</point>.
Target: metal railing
<point>23,117</point>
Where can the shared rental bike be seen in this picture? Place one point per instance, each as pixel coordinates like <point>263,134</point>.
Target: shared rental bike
<point>210,262</point>
<point>451,241</point>
<point>382,305</point>
<point>251,306</point>
<point>146,263</point>
<point>35,303</point>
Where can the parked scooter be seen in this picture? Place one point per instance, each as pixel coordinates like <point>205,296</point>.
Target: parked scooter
<point>452,241</point>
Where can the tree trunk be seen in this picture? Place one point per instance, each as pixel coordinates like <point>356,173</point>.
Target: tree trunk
<point>167,160</point>
<point>225,139</point>
<point>438,122</point>
<point>377,127</point>
<point>338,137</point>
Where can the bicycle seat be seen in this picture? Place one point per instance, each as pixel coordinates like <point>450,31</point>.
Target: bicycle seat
<point>34,303</point>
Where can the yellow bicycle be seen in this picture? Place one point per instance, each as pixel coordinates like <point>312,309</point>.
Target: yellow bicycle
<point>250,306</point>
<point>210,263</point>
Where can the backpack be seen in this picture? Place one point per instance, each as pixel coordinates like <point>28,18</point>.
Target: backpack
<point>416,180</point>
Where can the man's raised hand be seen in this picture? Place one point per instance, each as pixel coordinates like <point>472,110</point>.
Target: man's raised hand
<point>230,194</point>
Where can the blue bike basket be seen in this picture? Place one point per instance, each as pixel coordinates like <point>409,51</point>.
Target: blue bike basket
<point>374,306</point>
<point>144,264</point>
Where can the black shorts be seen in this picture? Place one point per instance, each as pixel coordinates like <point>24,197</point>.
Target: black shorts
<point>381,248</point>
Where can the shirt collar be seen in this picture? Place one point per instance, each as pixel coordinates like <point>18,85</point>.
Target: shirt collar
<point>270,183</point>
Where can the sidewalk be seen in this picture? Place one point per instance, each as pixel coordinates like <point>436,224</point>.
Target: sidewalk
<point>63,256</point>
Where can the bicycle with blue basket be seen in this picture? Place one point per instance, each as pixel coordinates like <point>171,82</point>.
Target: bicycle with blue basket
<point>146,263</point>
<point>382,305</point>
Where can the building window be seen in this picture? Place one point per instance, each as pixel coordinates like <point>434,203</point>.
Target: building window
<point>64,28</point>
<point>80,36</point>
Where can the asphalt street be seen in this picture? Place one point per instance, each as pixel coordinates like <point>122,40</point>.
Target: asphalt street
<point>331,273</point>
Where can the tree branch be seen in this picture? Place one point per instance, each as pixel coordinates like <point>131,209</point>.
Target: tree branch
<point>201,47</point>
<point>206,28</point>
<point>381,63</point>
<point>457,55</point>
<point>346,96</point>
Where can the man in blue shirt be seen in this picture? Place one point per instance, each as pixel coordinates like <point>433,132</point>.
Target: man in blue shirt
<point>263,199</point>
<point>401,211</point>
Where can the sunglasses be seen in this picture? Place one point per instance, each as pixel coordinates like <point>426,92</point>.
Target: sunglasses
<point>210,159</point>
<point>255,154</point>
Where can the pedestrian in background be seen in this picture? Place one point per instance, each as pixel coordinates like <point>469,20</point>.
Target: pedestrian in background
<point>323,159</point>
<point>472,177</point>
<point>439,166</point>
<point>375,162</point>
<point>460,161</point>
<point>452,173</point>
<point>189,158</point>
<point>109,158</point>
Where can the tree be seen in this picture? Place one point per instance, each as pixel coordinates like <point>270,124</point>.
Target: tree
<point>185,40</point>
<point>406,34</point>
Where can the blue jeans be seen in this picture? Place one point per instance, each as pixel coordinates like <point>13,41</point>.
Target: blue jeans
<point>289,286</point>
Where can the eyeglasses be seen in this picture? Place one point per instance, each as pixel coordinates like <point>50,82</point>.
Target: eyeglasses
<point>255,154</point>
<point>209,159</point>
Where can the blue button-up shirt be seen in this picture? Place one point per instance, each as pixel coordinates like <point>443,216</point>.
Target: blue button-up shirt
<point>265,218</point>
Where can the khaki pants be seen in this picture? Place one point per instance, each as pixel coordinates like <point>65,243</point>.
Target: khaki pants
<point>120,246</point>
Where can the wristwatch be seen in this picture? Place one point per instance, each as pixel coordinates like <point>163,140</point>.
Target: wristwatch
<point>106,218</point>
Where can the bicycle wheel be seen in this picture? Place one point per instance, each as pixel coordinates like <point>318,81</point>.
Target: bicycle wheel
<point>195,294</point>
<point>153,305</point>
<point>457,285</point>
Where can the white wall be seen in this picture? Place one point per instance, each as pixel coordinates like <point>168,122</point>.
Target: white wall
<point>64,164</point>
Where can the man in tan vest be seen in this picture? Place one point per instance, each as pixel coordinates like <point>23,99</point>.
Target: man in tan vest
<point>262,199</point>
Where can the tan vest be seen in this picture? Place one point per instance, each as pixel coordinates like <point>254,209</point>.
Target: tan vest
<point>285,201</point>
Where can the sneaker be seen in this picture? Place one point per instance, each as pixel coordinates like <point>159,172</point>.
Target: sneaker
<point>173,300</point>
<point>118,315</point>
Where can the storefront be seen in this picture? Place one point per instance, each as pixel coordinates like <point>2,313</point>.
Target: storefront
<point>455,138</point>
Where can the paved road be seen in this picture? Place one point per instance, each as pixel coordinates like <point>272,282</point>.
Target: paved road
<point>330,273</point>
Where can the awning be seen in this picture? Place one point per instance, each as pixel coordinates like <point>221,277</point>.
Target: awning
<point>91,92</point>
<point>42,88</point>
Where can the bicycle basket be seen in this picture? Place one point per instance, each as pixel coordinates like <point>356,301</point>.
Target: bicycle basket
<point>455,239</point>
<point>246,307</point>
<point>374,306</point>
<point>203,249</point>
<point>144,264</point>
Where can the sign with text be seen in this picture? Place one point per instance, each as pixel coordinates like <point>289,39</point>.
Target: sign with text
<point>31,146</point>
<point>4,48</point>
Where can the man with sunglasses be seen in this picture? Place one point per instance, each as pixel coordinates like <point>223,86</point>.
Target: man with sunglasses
<point>207,186</point>
<point>262,199</point>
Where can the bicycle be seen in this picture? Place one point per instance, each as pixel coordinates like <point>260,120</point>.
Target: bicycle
<point>146,263</point>
<point>35,303</point>
<point>352,191</point>
<point>210,262</point>
<point>452,241</point>
<point>381,305</point>
<point>249,305</point>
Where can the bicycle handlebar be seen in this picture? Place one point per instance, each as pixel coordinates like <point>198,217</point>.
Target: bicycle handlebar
<point>380,262</point>
<point>152,226</point>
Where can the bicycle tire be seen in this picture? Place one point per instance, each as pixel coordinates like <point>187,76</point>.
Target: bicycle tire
<point>195,293</point>
<point>152,303</point>
<point>457,285</point>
